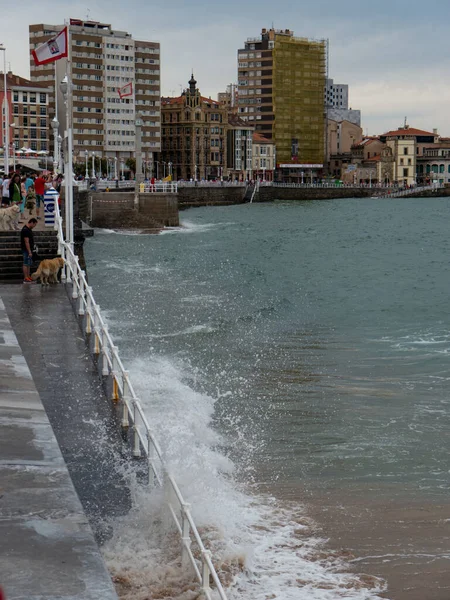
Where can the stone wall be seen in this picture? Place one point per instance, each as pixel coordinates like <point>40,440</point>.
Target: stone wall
<point>163,208</point>
<point>209,196</point>
<point>114,210</point>
<point>269,194</point>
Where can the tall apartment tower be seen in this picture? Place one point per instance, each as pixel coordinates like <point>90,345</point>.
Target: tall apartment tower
<point>281,82</point>
<point>104,60</point>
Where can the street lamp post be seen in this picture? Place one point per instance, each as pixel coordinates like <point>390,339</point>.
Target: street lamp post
<point>164,168</point>
<point>122,166</point>
<point>170,169</point>
<point>93,166</point>
<point>6,109</point>
<point>55,127</point>
<point>115,168</point>
<point>195,172</point>
<point>59,156</point>
<point>157,169</point>
<point>66,88</point>
<point>86,156</point>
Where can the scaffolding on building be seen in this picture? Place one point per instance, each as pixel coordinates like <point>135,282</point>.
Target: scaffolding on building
<point>299,76</point>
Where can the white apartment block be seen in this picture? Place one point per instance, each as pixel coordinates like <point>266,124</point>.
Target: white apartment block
<point>104,60</point>
<point>336,95</point>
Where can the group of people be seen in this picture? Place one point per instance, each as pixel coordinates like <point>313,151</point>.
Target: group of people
<point>28,189</point>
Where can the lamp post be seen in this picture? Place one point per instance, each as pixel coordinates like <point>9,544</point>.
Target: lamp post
<point>86,157</point>
<point>157,169</point>
<point>6,108</point>
<point>66,89</point>
<point>115,168</point>
<point>195,172</point>
<point>164,168</point>
<point>93,166</point>
<point>170,168</point>
<point>59,156</point>
<point>55,127</point>
<point>122,166</point>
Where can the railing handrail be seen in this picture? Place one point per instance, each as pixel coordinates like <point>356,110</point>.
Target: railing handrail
<point>123,391</point>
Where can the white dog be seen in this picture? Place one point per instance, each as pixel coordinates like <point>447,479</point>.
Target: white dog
<point>9,217</point>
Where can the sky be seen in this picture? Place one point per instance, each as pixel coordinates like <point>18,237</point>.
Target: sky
<point>392,53</point>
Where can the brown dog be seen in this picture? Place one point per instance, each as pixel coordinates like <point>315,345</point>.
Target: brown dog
<point>48,270</point>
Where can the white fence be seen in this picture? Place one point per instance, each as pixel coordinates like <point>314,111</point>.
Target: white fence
<point>133,418</point>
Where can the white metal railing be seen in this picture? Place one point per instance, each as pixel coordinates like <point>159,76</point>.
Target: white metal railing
<point>212,183</point>
<point>134,418</point>
<point>412,191</point>
<point>165,187</point>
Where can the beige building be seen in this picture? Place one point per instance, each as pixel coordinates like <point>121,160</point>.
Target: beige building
<point>264,158</point>
<point>281,82</point>
<point>194,130</point>
<point>29,123</point>
<point>104,60</point>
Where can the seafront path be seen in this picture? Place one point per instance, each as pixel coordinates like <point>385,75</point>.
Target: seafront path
<point>58,452</point>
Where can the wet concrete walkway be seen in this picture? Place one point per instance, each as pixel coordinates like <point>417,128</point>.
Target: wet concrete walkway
<point>47,548</point>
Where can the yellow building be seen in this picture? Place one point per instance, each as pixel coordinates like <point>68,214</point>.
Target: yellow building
<point>281,83</point>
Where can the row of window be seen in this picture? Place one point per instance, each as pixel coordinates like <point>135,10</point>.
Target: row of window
<point>244,65</point>
<point>34,145</point>
<point>29,97</point>
<point>24,111</point>
<point>244,55</point>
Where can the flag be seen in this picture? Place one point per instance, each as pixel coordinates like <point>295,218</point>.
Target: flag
<point>52,50</point>
<point>126,90</point>
<point>167,179</point>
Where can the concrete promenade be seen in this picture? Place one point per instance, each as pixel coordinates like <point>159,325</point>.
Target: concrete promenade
<point>49,385</point>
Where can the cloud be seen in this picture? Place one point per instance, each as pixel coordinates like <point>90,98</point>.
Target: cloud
<point>390,54</point>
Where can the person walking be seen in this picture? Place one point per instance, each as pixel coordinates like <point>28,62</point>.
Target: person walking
<point>15,194</point>
<point>39,188</point>
<point>27,245</point>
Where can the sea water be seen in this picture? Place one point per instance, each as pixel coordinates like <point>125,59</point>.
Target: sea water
<point>292,359</point>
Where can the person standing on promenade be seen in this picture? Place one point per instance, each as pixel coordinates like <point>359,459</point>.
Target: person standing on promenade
<point>27,245</point>
<point>39,188</point>
<point>5,191</point>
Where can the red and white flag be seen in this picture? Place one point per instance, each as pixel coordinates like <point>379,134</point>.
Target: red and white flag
<point>126,90</point>
<point>52,50</point>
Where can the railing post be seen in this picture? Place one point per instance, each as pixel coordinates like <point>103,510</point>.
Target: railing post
<point>136,443</point>
<point>96,309</point>
<point>68,266</point>
<point>185,535</point>
<point>88,328</point>
<point>105,365</point>
<point>205,570</point>
<point>81,295</point>
<point>62,252</point>
<point>126,397</point>
<point>76,279</point>
<point>115,386</point>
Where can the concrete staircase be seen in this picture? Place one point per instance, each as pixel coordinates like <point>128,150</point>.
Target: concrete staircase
<point>11,260</point>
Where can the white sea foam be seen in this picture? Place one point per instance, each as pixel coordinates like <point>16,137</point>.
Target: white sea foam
<point>189,227</point>
<point>262,549</point>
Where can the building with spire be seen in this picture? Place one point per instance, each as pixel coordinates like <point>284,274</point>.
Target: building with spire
<point>193,138</point>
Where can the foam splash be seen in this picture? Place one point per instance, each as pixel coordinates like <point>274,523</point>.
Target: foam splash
<point>262,549</point>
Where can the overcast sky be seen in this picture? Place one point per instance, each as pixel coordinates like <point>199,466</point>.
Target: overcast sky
<point>394,54</point>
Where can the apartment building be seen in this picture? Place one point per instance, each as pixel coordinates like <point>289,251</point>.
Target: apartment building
<point>281,82</point>
<point>336,95</point>
<point>194,132</point>
<point>239,148</point>
<point>27,106</point>
<point>264,158</point>
<point>103,61</point>
<point>229,98</point>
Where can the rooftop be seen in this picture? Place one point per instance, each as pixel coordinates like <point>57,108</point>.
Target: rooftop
<point>15,81</point>
<point>179,100</point>
<point>258,138</point>
<point>408,131</point>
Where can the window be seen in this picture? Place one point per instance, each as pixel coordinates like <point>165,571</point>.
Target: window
<point>25,121</point>
<point>42,98</point>
<point>401,161</point>
<point>16,97</point>
<point>43,110</point>
<point>24,97</point>
<point>43,122</point>
<point>405,172</point>
<point>405,151</point>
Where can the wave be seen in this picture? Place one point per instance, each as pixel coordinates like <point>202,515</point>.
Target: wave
<point>262,548</point>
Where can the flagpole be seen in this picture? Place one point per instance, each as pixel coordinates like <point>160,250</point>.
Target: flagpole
<point>68,158</point>
<point>55,126</point>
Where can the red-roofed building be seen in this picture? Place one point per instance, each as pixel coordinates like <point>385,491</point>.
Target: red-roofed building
<point>193,140</point>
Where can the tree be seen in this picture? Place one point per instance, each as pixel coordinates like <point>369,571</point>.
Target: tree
<point>131,164</point>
